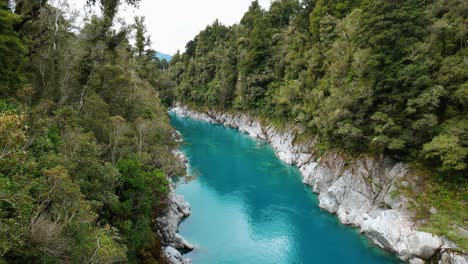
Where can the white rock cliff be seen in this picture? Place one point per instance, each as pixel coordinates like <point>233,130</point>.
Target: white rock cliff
<point>167,225</point>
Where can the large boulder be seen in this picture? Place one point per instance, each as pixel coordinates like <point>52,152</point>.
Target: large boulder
<point>181,243</point>
<point>388,229</point>
<point>173,256</point>
<point>423,245</point>
<point>393,230</point>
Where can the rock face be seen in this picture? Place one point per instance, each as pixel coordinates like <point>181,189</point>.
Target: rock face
<point>360,191</point>
<point>167,225</point>
<point>174,257</point>
<point>449,257</point>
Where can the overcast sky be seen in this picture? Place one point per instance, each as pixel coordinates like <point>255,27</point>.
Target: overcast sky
<point>172,23</point>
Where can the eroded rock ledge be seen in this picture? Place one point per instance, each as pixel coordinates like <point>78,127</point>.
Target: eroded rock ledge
<point>361,192</point>
<point>167,225</point>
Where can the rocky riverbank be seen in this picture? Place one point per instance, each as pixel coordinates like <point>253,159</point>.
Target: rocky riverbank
<point>167,225</point>
<point>362,192</point>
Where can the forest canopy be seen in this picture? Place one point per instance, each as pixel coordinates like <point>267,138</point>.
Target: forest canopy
<point>367,76</point>
<point>85,143</point>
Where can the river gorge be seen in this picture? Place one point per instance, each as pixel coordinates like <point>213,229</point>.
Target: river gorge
<point>250,207</point>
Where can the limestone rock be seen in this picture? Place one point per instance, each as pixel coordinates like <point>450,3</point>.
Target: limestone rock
<point>181,243</point>
<point>308,173</point>
<point>388,229</point>
<point>303,158</point>
<point>168,224</point>
<point>349,198</point>
<point>423,244</point>
<point>182,206</point>
<point>416,261</point>
<point>317,176</point>
<point>353,209</point>
<point>174,257</point>
<point>450,257</point>
<point>283,145</point>
<point>391,197</point>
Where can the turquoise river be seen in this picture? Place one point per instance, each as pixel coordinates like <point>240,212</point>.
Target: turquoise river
<point>250,207</point>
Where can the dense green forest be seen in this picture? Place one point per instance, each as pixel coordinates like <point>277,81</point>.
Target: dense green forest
<point>85,141</point>
<point>368,76</point>
<point>85,144</point>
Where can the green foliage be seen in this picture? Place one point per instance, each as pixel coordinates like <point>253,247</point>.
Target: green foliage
<point>140,35</point>
<point>139,194</point>
<point>85,144</point>
<point>11,51</point>
<point>449,147</point>
<point>367,76</point>
<point>441,204</point>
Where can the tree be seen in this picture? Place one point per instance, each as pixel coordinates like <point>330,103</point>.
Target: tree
<point>117,136</point>
<point>11,51</point>
<point>141,41</point>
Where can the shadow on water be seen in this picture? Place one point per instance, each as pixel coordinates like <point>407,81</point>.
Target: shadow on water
<point>250,207</point>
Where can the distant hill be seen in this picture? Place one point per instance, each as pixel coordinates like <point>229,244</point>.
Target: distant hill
<point>161,56</point>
